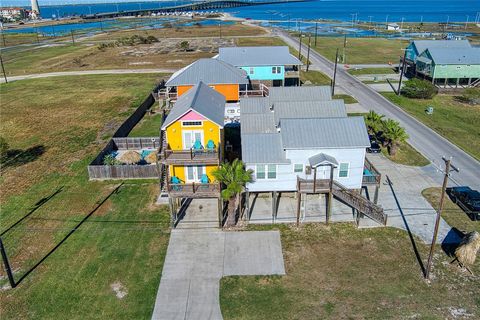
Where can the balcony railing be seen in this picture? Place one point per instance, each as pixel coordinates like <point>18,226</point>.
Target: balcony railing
<point>164,94</point>
<point>370,174</point>
<point>194,190</point>
<point>190,156</point>
<point>308,185</point>
<point>255,90</point>
<point>292,73</point>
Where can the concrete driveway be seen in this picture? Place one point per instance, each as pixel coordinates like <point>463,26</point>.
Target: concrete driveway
<point>197,258</point>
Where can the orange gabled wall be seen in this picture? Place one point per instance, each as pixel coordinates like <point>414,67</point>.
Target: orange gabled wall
<point>229,91</point>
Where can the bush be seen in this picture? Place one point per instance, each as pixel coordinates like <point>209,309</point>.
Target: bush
<point>471,96</point>
<point>110,160</point>
<point>184,45</point>
<point>419,89</point>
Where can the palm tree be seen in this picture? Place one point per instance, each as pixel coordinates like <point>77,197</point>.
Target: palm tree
<point>394,134</point>
<point>234,177</point>
<point>374,122</point>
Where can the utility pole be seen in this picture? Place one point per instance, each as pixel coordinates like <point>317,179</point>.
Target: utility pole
<point>334,73</point>
<point>448,165</point>
<point>6,263</point>
<point>401,72</point>
<point>3,69</point>
<point>73,38</point>
<point>344,48</point>
<point>316,29</point>
<point>300,47</point>
<point>308,51</point>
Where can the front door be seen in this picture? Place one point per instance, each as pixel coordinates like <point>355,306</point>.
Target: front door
<point>194,173</point>
<point>190,136</point>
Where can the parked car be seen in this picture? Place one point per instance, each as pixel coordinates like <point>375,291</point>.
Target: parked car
<point>467,199</point>
<point>374,147</point>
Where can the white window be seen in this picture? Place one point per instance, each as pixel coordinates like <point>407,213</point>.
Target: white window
<point>260,171</point>
<point>272,171</point>
<point>343,170</point>
<point>252,70</point>
<point>191,123</point>
<point>298,167</point>
<point>276,70</point>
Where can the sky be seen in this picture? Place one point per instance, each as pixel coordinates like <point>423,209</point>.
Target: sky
<point>57,2</point>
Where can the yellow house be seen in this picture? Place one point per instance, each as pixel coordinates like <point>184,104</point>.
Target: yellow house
<point>193,132</point>
<point>219,75</point>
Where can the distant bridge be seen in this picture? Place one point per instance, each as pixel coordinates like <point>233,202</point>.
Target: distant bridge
<point>193,6</point>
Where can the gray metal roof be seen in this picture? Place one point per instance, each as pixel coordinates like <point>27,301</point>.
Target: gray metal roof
<point>202,99</point>
<point>303,93</point>
<point>254,105</point>
<point>309,109</point>
<point>257,123</point>
<point>455,55</point>
<point>347,132</point>
<point>422,45</point>
<point>263,148</point>
<point>258,56</point>
<point>322,159</point>
<point>210,71</point>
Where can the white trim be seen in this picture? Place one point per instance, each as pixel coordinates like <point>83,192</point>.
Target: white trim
<point>339,167</point>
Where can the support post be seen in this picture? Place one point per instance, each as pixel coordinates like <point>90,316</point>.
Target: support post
<point>308,51</point>
<point>330,195</point>
<point>375,197</point>
<point>172,212</point>
<point>334,73</point>
<point>401,73</point>
<point>300,47</point>
<point>299,201</point>
<point>439,212</point>
<point>314,179</point>
<point>316,30</point>
<point>274,206</point>
<point>220,212</point>
<point>247,203</point>
<point>344,59</point>
<point>6,263</point>
<point>3,69</point>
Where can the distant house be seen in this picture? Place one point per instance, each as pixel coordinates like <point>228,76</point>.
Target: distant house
<point>221,76</point>
<point>393,27</point>
<point>13,13</point>
<point>193,139</point>
<point>272,66</point>
<point>447,66</point>
<point>417,47</point>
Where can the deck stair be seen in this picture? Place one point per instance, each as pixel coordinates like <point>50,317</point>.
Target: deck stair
<point>162,167</point>
<point>360,203</point>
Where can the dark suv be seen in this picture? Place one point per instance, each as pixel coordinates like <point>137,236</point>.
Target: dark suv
<point>374,146</point>
<point>467,199</point>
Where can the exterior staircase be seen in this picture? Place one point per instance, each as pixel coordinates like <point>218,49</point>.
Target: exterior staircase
<point>361,204</point>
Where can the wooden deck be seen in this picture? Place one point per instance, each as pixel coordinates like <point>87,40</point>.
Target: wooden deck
<point>373,177</point>
<point>308,186</point>
<point>194,190</point>
<point>190,157</point>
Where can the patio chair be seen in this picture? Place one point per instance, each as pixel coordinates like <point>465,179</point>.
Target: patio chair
<point>204,182</point>
<point>197,147</point>
<point>176,182</point>
<point>210,146</point>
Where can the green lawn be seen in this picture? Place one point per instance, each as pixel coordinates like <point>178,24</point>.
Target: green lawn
<point>315,77</point>
<point>348,99</point>
<point>357,72</point>
<point>341,272</point>
<point>56,135</point>
<point>407,155</point>
<point>362,50</point>
<point>454,120</point>
<point>149,126</point>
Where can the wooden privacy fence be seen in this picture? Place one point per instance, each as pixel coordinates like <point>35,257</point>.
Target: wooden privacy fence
<point>101,172</point>
<point>137,143</point>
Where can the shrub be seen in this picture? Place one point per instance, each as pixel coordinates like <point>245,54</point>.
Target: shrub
<point>419,89</point>
<point>184,45</point>
<point>110,160</point>
<point>471,96</point>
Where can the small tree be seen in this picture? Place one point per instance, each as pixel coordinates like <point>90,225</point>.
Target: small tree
<point>394,135</point>
<point>374,122</point>
<point>234,177</point>
<point>419,89</point>
<point>184,45</point>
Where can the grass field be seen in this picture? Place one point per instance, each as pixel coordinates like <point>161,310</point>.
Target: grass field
<point>341,272</point>
<point>407,155</point>
<point>55,135</point>
<point>357,72</point>
<point>149,126</point>
<point>454,120</point>
<point>362,50</point>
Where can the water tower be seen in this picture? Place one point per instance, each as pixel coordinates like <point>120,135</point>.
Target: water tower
<point>35,9</point>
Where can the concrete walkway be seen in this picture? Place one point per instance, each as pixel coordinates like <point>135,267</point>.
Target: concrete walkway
<point>407,209</point>
<point>199,257</point>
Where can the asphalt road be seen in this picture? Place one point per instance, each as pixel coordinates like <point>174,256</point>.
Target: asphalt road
<point>425,140</point>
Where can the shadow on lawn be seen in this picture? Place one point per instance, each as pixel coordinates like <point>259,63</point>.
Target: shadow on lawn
<point>410,235</point>
<point>18,157</point>
<point>75,228</point>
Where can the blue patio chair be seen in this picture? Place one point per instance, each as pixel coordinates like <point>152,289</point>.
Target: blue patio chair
<point>204,179</point>
<point>197,147</point>
<point>210,145</point>
<point>176,182</point>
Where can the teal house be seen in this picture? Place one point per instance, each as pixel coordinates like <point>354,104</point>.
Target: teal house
<point>449,67</point>
<point>417,47</point>
<point>272,66</point>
